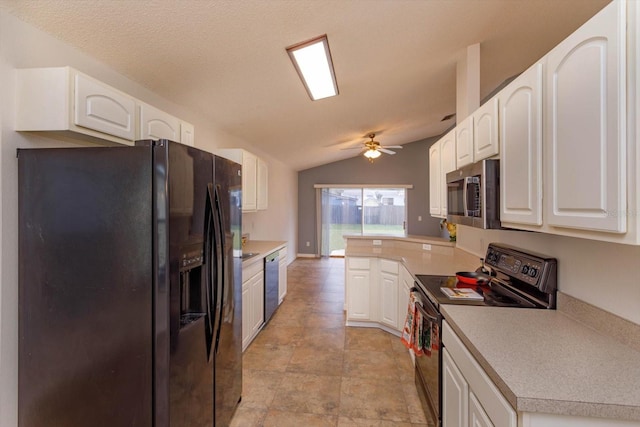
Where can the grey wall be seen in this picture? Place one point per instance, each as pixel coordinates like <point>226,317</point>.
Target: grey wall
<point>410,165</point>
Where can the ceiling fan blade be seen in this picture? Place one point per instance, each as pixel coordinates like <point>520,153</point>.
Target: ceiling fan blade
<point>353,148</point>
<point>392,146</point>
<point>384,150</point>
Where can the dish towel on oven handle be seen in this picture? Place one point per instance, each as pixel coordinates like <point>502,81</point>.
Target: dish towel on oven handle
<point>419,333</point>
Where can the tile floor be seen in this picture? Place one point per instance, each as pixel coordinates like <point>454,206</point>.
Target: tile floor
<point>307,369</point>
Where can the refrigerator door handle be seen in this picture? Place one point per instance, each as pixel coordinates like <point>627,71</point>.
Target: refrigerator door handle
<point>210,262</point>
<point>221,265</point>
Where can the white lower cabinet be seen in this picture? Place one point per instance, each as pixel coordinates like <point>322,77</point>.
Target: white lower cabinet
<point>389,281</point>
<point>477,416</point>
<point>469,398</point>
<point>252,302</point>
<point>377,293</point>
<point>282,275</point>
<point>404,292</point>
<point>455,394</point>
<point>359,288</point>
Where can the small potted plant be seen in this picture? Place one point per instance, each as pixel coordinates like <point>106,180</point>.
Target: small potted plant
<point>451,229</point>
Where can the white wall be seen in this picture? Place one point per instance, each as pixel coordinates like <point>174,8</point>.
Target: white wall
<point>276,221</point>
<point>23,46</point>
<point>602,274</point>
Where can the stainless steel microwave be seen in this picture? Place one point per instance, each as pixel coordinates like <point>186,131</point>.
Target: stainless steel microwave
<point>473,195</point>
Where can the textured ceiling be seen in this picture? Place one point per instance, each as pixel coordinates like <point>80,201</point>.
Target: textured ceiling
<point>394,59</point>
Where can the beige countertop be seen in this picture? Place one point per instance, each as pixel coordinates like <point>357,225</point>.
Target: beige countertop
<point>544,361</point>
<point>436,261</point>
<point>262,248</point>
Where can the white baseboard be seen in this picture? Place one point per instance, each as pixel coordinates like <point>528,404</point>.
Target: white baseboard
<point>308,256</point>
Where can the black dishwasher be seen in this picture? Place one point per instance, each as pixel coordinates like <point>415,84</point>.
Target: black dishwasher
<point>271,270</point>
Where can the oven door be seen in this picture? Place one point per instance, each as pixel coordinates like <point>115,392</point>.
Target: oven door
<point>427,375</point>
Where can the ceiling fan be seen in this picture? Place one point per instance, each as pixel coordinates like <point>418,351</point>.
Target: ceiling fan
<point>372,149</point>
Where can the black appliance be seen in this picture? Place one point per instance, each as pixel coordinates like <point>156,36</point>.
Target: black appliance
<point>519,278</point>
<point>271,281</point>
<point>129,294</point>
<point>473,195</point>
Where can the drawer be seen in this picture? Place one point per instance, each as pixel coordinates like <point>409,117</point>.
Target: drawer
<point>283,254</point>
<point>358,263</point>
<point>494,403</point>
<point>257,267</point>
<point>387,266</point>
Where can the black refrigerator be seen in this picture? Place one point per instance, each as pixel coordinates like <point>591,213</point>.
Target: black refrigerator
<point>129,287</point>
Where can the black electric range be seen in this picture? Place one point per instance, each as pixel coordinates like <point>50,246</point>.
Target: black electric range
<point>519,279</point>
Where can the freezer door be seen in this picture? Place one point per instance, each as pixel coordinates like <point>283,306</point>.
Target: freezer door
<point>191,362</point>
<point>85,287</point>
<point>228,350</point>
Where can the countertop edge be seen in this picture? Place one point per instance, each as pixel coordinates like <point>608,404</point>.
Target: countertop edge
<point>525,403</point>
<point>263,248</point>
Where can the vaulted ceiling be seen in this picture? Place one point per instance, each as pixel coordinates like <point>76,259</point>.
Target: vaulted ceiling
<point>395,60</point>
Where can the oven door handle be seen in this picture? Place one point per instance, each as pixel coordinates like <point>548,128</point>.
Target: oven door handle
<point>424,305</point>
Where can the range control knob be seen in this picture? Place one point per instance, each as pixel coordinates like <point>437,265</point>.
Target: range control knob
<point>533,272</point>
<point>525,270</point>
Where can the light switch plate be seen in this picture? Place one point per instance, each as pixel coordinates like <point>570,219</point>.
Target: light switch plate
<point>377,243</point>
<point>426,247</point>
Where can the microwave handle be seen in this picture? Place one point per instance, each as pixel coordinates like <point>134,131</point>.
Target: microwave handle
<point>465,195</point>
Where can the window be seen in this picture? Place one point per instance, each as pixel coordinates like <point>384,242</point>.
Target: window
<point>360,211</point>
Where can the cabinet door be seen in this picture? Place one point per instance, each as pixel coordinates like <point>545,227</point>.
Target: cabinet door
<point>464,142</point>
<point>585,108</point>
<point>455,394</point>
<point>249,181</point>
<point>435,186</point>
<point>262,190</point>
<point>359,294</point>
<point>389,299</point>
<point>282,277</point>
<point>102,108</point>
<point>187,134</point>
<point>247,323</point>
<point>521,149</point>
<point>447,164</point>
<point>477,416</point>
<point>257,303</point>
<point>485,130</point>
<point>404,290</point>
<point>156,124</point>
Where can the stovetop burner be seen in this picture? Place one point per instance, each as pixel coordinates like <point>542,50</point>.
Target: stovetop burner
<point>491,297</point>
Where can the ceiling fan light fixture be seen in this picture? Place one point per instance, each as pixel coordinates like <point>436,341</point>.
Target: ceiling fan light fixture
<point>372,154</point>
<point>312,61</point>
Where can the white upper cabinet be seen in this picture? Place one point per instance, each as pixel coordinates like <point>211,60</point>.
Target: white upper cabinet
<point>442,160</point>
<point>521,149</point>
<point>254,178</point>
<point>464,142</point>
<point>262,184</point>
<point>156,124</point>
<point>485,130</point>
<point>585,135</point>
<point>249,181</point>
<point>102,108</point>
<point>447,164</point>
<point>435,186</point>
<point>65,100</point>
<point>187,134</point>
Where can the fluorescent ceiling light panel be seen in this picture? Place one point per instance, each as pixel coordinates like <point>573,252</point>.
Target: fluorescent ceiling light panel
<point>312,60</point>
